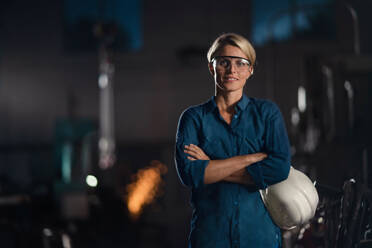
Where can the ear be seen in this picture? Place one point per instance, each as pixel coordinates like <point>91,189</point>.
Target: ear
<point>211,68</point>
<point>250,73</point>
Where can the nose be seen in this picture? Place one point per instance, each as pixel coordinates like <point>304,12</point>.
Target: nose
<point>232,68</point>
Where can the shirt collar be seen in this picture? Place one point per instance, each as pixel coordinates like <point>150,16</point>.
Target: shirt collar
<point>243,102</point>
<point>211,104</point>
<point>241,105</point>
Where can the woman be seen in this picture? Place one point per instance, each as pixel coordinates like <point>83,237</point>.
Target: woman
<point>227,149</point>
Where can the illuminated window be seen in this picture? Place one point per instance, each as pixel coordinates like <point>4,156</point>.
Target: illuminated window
<point>280,20</point>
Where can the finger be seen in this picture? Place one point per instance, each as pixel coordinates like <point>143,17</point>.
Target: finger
<point>191,145</point>
<point>196,147</point>
<point>197,152</point>
<point>263,154</point>
<point>190,150</point>
<point>193,150</point>
<point>192,153</point>
<point>191,158</point>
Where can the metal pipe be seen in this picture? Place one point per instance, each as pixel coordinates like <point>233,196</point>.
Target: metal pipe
<point>355,18</point>
<point>331,101</point>
<point>350,97</point>
<point>365,166</point>
<point>106,112</point>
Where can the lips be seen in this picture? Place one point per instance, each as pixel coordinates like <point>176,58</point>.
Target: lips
<point>230,79</point>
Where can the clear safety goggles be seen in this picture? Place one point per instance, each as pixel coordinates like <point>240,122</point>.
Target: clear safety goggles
<point>225,62</point>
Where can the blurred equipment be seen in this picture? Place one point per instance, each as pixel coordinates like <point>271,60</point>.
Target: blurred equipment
<point>145,188</point>
<point>81,18</point>
<point>106,26</point>
<point>74,149</point>
<point>343,218</point>
<point>106,142</point>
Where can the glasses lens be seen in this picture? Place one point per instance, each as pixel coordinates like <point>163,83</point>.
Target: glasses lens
<point>224,62</point>
<point>241,63</point>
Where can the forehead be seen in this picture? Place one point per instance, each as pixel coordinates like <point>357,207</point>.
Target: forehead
<point>229,50</point>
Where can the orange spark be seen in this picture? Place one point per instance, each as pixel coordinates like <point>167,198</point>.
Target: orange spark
<point>145,188</point>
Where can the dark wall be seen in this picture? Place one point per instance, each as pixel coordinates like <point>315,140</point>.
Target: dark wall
<point>38,76</point>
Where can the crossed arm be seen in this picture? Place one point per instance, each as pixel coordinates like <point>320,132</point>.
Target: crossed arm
<point>230,169</point>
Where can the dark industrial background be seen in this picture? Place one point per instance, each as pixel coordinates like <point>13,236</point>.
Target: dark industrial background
<point>314,59</point>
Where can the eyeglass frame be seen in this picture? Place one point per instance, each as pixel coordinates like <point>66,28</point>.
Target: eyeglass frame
<point>232,57</point>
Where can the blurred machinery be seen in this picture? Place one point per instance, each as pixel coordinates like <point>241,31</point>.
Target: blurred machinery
<point>330,125</point>
<point>83,203</point>
<point>340,114</point>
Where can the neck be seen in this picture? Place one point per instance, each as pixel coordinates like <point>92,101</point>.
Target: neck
<point>226,101</point>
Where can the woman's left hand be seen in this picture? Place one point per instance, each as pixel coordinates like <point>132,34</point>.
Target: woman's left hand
<point>195,152</point>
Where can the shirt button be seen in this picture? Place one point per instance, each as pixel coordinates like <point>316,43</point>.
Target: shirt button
<point>235,116</point>
<point>235,203</point>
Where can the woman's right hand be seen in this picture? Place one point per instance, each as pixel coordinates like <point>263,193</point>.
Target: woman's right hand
<point>254,158</point>
<point>241,176</point>
<point>257,157</point>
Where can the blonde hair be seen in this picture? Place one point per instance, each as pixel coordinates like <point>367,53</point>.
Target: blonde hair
<point>233,40</point>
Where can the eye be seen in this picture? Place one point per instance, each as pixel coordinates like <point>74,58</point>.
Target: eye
<point>223,63</point>
<point>241,63</point>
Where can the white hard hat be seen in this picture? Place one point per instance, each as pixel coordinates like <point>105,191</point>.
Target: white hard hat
<point>291,202</point>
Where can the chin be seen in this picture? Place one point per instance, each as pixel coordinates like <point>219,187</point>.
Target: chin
<point>230,89</point>
<point>230,86</point>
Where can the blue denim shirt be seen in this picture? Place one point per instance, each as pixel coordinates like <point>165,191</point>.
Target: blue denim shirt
<point>229,214</point>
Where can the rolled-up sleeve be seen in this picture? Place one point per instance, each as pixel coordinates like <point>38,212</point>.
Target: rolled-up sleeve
<point>191,173</point>
<point>275,168</point>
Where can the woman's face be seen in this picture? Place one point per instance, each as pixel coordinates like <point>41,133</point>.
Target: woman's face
<point>230,69</point>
